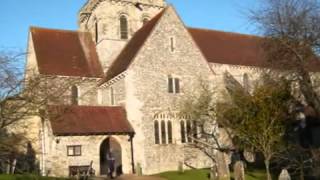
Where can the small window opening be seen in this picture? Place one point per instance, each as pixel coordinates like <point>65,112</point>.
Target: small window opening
<point>74,95</point>
<point>172,44</point>
<point>74,150</point>
<point>173,85</point>
<point>145,20</point>
<point>246,82</point>
<point>111,96</point>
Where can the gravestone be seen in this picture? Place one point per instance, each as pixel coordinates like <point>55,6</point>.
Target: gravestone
<point>284,175</point>
<point>249,156</point>
<point>180,167</point>
<point>222,167</point>
<point>238,170</point>
<point>139,170</point>
<point>214,173</point>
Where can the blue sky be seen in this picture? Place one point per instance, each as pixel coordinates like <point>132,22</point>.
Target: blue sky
<point>18,15</point>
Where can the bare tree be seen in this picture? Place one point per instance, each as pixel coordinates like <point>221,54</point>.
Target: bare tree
<point>253,121</point>
<point>22,99</point>
<point>292,31</point>
<point>204,132</point>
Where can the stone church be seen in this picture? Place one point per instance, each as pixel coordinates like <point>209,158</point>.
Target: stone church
<point>134,61</point>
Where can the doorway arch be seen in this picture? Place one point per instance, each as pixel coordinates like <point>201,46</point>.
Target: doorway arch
<point>110,145</point>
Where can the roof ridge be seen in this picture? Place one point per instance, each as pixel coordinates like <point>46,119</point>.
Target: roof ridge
<point>55,29</point>
<point>226,32</point>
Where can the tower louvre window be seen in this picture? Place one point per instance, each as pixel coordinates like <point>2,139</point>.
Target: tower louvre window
<point>96,31</point>
<point>123,27</point>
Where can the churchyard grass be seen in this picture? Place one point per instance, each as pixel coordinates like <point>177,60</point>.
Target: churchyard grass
<point>26,177</point>
<point>202,174</point>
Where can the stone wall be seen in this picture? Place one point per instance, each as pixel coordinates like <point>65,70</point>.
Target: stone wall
<point>147,90</point>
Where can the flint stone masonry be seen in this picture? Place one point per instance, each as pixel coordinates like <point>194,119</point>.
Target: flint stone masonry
<point>148,82</point>
<point>107,15</point>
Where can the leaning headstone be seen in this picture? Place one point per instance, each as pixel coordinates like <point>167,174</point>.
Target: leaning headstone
<point>249,156</point>
<point>284,175</point>
<point>139,169</point>
<point>213,173</point>
<point>238,170</point>
<point>180,167</point>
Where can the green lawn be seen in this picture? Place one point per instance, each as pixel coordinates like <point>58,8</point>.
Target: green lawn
<point>202,175</point>
<point>26,177</point>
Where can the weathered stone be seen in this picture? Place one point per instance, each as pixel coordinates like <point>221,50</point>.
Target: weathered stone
<point>238,170</point>
<point>284,175</point>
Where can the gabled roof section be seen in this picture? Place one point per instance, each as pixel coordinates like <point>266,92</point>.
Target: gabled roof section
<point>229,48</point>
<point>65,53</point>
<point>124,59</point>
<point>235,49</point>
<point>88,120</point>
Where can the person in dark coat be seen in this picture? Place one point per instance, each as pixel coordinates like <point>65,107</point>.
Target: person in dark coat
<point>111,164</point>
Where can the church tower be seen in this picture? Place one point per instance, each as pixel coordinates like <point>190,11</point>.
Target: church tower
<point>113,22</point>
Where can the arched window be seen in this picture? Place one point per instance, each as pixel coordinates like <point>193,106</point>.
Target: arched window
<point>183,132</point>
<point>145,20</point>
<point>74,95</point>
<point>163,133</point>
<point>169,132</point>
<point>189,133</point>
<point>156,132</point>
<point>195,129</point>
<point>246,81</point>
<point>123,27</point>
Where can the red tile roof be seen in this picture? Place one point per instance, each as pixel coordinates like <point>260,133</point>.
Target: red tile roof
<point>229,48</point>
<point>122,62</point>
<point>66,53</point>
<point>88,120</point>
<point>235,49</point>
